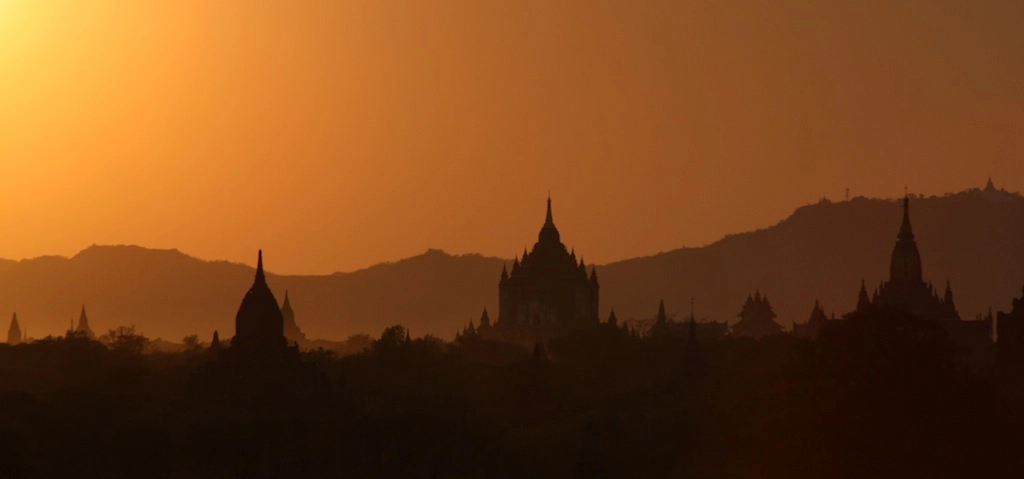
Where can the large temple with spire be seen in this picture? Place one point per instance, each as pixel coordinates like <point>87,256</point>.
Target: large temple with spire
<point>260,375</point>
<point>259,324</point>
<point>548,291</point>
<point>906,290</point>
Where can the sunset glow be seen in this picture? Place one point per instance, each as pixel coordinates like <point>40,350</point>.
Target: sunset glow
<point>390,239</point>
<point>343,134</point>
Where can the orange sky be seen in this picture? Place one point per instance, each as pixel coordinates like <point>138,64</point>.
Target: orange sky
<point>338,134</point>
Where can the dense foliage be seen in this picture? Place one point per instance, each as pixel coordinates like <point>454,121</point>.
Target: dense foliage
<point>877,395</point>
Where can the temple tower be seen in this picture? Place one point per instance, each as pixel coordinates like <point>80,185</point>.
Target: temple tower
<point>547,288</point>
<point>291,328</point>
<point>259,324</point>
<point>906,289</point>
<point>905,265</point>
<point>14,336</point>
<point>83,328</point>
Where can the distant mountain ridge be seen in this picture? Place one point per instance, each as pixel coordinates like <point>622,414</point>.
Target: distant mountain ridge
<point>822,251</point>
<point>972,239</point>
<point>169,294</point>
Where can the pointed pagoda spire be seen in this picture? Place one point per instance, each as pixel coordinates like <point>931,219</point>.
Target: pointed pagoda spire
<point>14,332</point>
<point>989,186</point>
<point>817,313</point>
<point>662,317</point>
<point>260,277</point>
<point>83,324</point>
<point>862,297</point>
<point>947,297</point>
<point>259,323</point>
<point>215,342</point>
<point>906,232</point>
<point>548,220</point>
<point>905,265</point>
<point>549,233</point>
<point>612,319</point>
<point>485,320</point>
<point>291,328</point>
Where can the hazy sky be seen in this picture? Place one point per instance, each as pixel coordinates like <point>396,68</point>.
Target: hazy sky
<point>338,134</point>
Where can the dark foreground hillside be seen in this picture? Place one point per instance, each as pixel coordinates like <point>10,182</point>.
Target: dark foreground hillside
<point>878,395</point>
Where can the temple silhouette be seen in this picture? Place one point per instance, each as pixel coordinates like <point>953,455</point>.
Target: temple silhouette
<point>906,288</point>
<point>291,329</point>
<point>757,318</point>
<point>14,335</point>
<point>813,325</point>
<point>82,330</point>
<point>877,394</point>
<point>259,324</point>
<point>907,291</point>
<point>548,292</point>
<point>260,372</point>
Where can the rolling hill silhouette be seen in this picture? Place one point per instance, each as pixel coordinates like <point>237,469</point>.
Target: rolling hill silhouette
<point>822,251</point>
<point>972,239</point>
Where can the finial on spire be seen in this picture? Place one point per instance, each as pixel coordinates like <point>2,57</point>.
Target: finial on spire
<point>906,231</point>
<point>549,220</point>
<point>548,233</point>
<point>260,277</point>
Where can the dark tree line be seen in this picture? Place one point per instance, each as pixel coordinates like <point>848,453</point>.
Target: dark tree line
<point>877,395</point>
